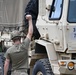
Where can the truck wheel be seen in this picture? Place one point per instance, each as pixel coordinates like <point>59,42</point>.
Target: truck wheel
<point>42,67</point>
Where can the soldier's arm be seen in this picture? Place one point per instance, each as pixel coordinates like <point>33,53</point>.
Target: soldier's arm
<point>6,66</point>
<point>30,29</point>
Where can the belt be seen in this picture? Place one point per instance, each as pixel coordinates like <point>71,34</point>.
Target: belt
<point>20,70</point>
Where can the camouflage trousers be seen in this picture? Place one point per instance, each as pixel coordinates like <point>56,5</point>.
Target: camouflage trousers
<point>19,72</point>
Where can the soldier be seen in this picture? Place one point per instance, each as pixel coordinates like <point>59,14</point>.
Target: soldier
<point>18,53</point>
<point>32,8</point>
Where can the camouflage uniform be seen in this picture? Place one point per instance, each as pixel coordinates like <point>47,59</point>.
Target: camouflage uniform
<point>18,55</point>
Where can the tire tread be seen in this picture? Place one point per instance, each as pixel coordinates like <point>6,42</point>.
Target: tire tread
<point>47,66</point>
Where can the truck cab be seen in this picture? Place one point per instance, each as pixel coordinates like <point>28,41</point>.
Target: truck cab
<point>56,47</point>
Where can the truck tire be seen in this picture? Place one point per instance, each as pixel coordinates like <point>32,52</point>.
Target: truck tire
<point>42,67</point>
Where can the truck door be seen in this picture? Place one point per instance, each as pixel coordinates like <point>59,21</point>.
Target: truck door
<point>71,37</point>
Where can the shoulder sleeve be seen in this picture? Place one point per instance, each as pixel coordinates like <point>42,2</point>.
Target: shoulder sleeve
<point>7,55</point>
<point>26,43</point>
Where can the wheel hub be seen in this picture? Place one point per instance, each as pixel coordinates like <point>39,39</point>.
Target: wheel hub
<point>39,73</point>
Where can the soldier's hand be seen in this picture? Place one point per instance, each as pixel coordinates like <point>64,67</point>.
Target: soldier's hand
<point>28,17</point>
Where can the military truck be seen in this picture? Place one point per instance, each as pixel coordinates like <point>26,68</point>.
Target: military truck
<point>55,50</point>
